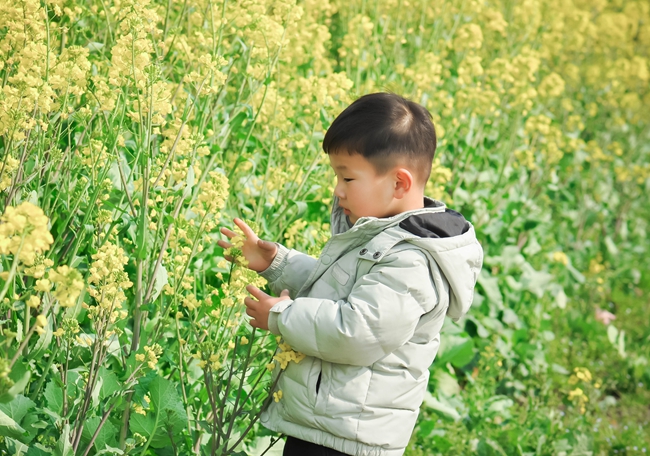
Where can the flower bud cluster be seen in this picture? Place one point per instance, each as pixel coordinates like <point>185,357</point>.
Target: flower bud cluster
<point>107,282</point>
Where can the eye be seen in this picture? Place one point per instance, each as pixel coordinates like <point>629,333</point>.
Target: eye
<point>347,180</point>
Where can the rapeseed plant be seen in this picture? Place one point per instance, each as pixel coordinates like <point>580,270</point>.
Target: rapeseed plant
<point>131,130</point>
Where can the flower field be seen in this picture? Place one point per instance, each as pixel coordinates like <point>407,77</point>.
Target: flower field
<point>132,130</point>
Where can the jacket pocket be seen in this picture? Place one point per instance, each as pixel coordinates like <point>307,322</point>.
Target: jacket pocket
<point>314,381</point>
<point>322,388</point>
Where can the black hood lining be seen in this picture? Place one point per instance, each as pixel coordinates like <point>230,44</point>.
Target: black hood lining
<point>436,225</point>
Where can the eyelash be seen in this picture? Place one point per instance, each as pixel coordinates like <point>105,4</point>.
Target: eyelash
<point>347,180</point>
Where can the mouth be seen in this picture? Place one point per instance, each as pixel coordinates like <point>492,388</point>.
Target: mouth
<point>346,211</point>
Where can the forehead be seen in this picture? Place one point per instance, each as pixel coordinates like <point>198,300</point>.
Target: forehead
<point>345,162</point>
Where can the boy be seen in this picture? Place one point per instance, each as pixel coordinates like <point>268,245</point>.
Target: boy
<point>367,314</point>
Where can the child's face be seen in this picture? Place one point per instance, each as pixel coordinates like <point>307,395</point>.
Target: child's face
<point>361,192</point>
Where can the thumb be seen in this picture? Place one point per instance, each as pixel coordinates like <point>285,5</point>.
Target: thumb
<point>285,292</point>
<point>266,245</point>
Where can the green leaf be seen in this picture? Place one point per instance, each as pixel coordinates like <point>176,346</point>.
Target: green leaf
<point>445,406</point>
<point>164,397</point>
<point>446,383</point>
<point>54,397</point>
<point>63,446</point>
<point>166,411</point>
<point>20,375</point>
<point>490,286</point>
<point>15,447</point>
<point>190,181</point>
<point>536,282</point>
<point>611,246</point>
<point>143,241</point>
<point>488,447</point>
<point>9,427</point>
<point>17,408</point>
<point>621,344</point>
<point>160,280</point>
<point>110,383</point>
<point>94,46</point>
<point>301,206</point>
<point>94,395</point>
<point>143,425</point>
<point>577,275</point>
<point>612,334</point>
<point>457,350</point>
<point>106,436</point>
<point>499,405</point>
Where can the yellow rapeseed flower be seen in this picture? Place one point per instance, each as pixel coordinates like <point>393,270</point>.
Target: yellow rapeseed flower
<point>24,232</point>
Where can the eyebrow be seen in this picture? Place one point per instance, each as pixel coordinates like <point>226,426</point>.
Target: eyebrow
<point>341,167</point>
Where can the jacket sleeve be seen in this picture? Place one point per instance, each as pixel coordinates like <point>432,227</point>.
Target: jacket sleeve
<point>290,269</point>
<point>380,314</point>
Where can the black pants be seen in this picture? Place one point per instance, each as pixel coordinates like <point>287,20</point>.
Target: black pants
<point>297,447</point>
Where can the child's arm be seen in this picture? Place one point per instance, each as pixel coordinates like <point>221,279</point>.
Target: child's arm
<point>289,270</point>
<point>380,314</point>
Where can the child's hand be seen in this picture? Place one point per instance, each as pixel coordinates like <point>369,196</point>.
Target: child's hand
<point>258,253</point>
<point>259,310</point>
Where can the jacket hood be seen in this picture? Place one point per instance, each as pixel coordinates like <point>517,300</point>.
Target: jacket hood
<point>448,239</point>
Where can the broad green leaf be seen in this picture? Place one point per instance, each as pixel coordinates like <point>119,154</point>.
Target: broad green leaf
<point>163,397</point>
<point>9,427</point>
<point>15,447</point>
<point>54,397</point>
<point>38,450</point>
<point>143,425</point>
<point>457,350</point>
<point>106,436</point>
<point>166,411</point>
<point>110,383</point>
<point>63,446</point>
<point>17,408</point>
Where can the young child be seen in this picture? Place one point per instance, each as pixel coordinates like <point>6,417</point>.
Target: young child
<point>367,314</point>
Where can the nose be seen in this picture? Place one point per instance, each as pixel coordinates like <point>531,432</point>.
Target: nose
<point>338,190</point>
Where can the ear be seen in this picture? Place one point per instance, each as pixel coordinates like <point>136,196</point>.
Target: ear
<point>403,182</point>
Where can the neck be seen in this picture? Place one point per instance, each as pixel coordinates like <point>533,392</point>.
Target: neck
<point>408,203</point>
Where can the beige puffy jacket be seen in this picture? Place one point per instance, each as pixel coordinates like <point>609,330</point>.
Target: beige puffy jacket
<point>367,314</point>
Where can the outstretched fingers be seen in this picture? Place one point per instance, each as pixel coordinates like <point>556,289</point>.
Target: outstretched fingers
<point>224,244</point>
<point>248,232</point>
<point>229,233</point>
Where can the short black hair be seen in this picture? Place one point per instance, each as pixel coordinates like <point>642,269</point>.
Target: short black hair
<point>386,129</point>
